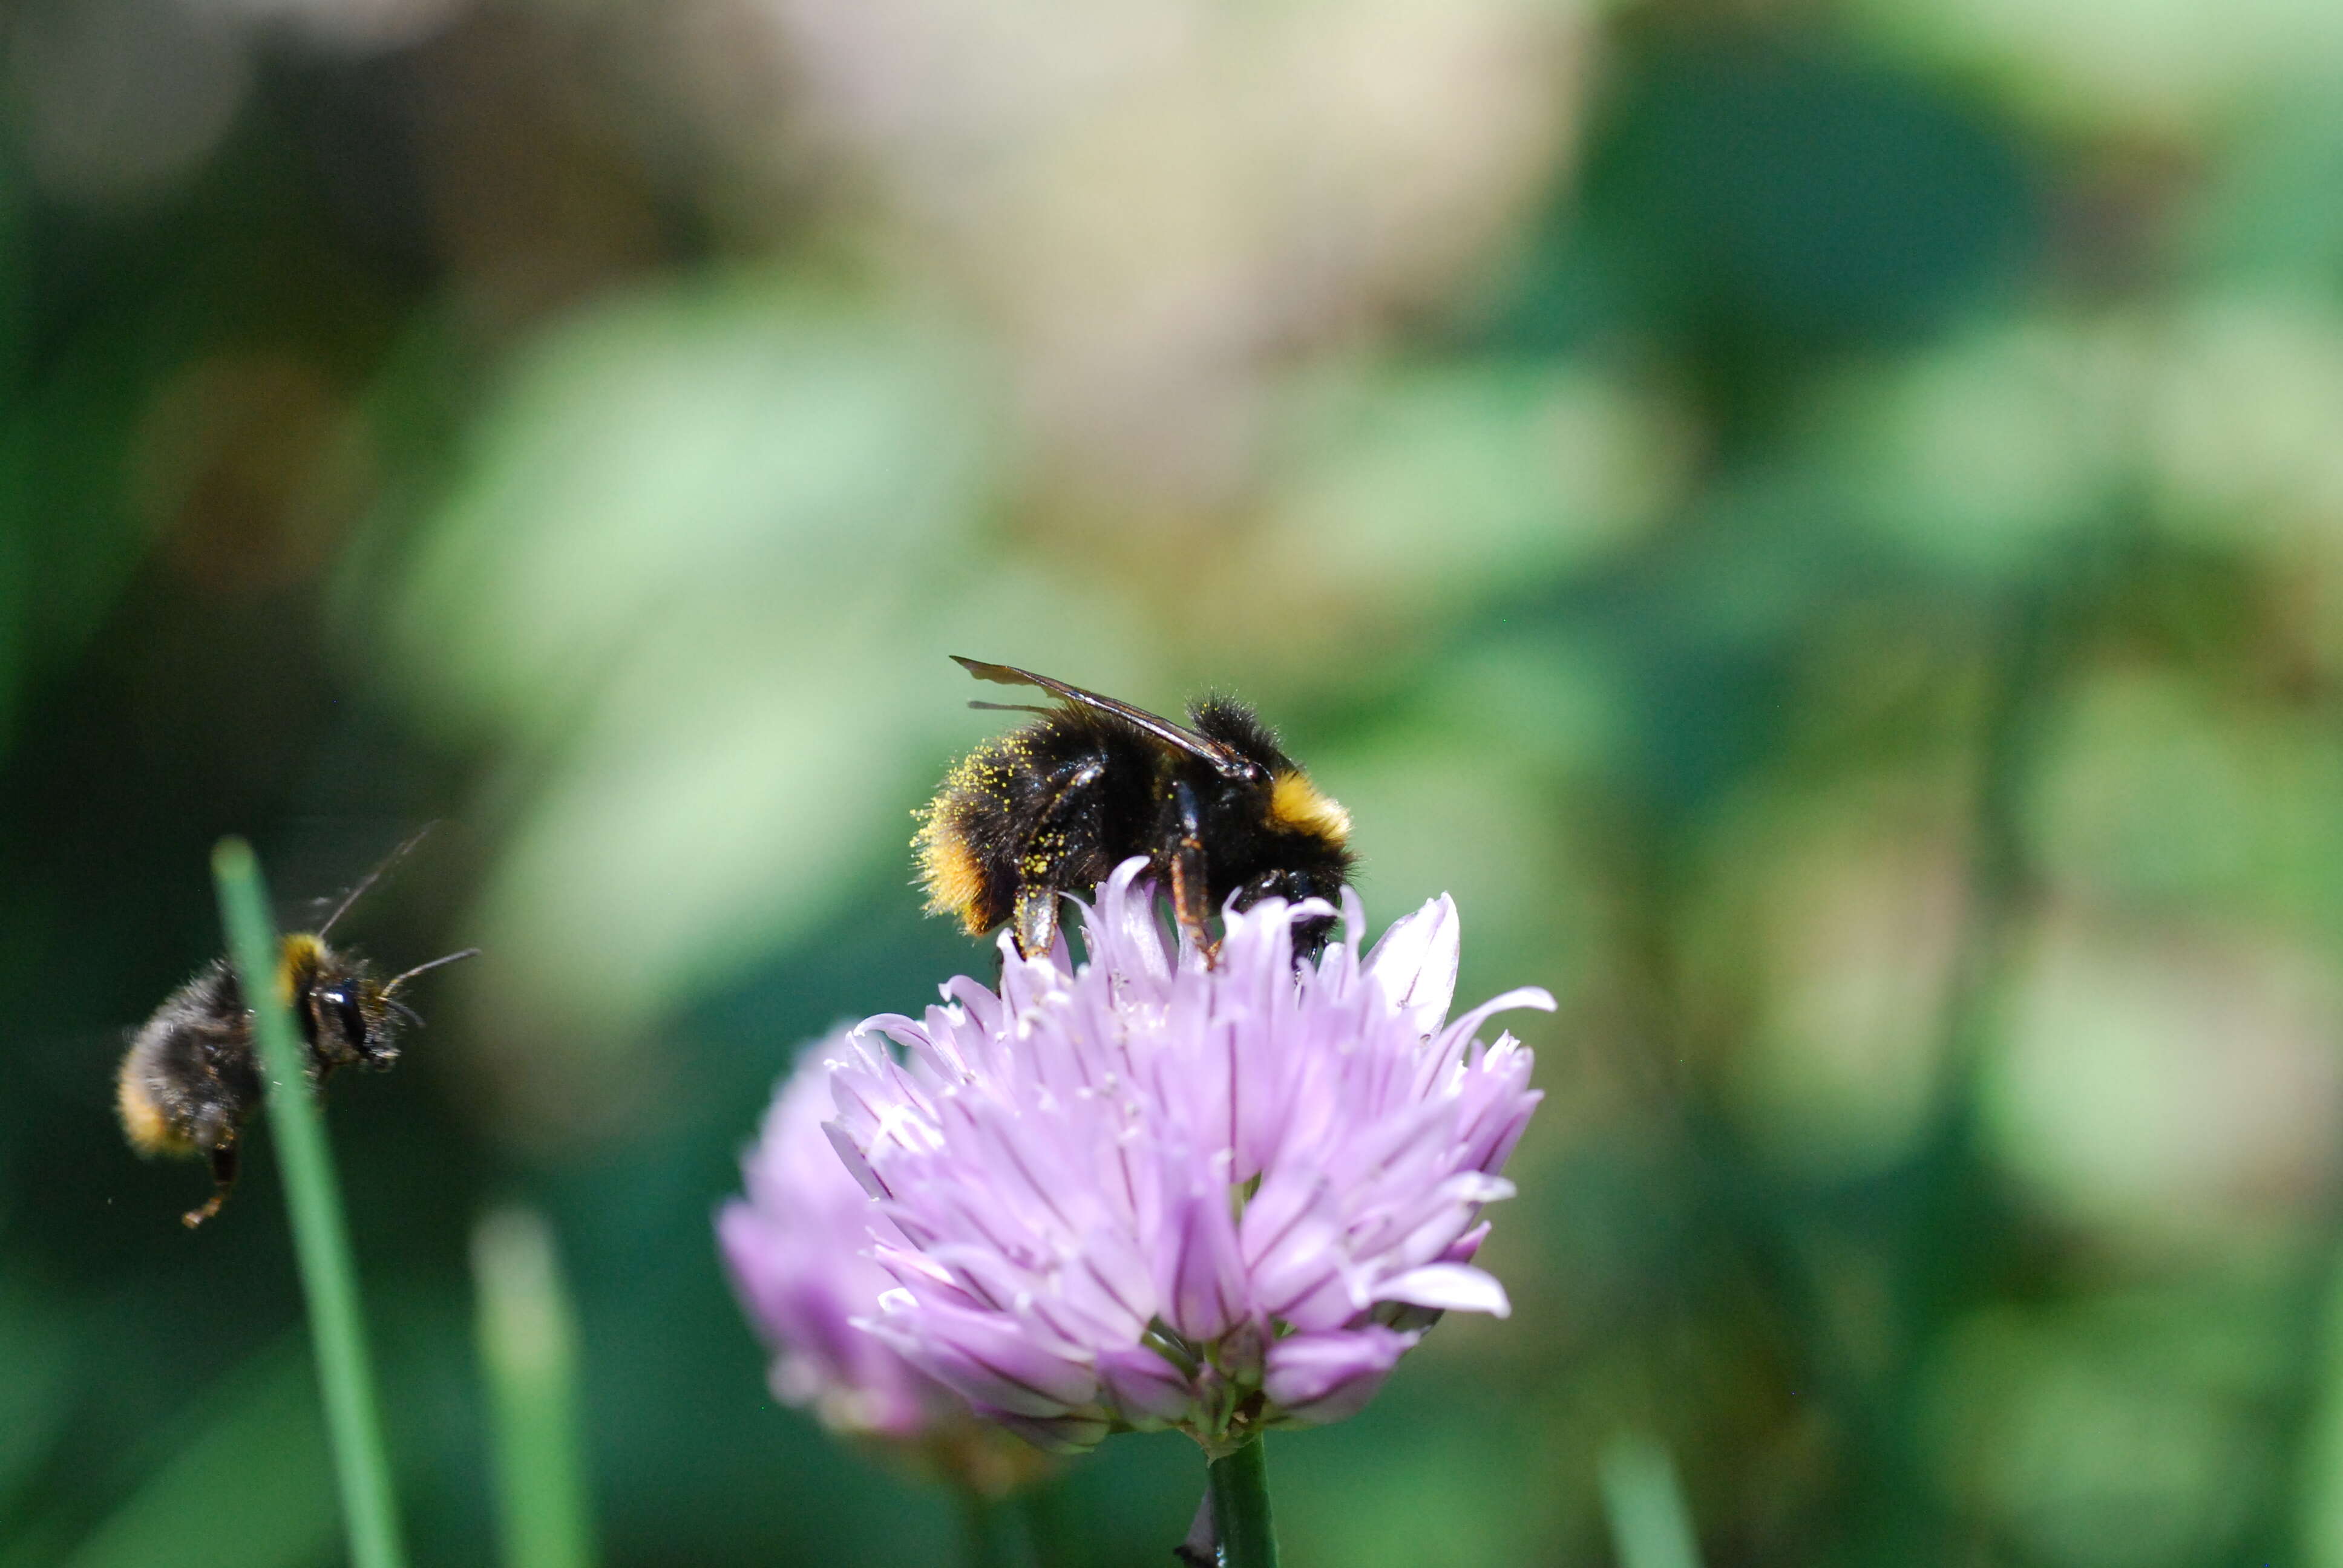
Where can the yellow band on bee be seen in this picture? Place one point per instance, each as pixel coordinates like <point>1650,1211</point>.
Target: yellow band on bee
<point>303,954</point>
<point>142,1119</point>
<point>1297,805</point>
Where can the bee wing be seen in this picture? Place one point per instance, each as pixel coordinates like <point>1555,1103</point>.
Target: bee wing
<point>1223,758</point>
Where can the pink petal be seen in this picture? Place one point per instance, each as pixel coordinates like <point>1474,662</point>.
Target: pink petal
<point>1146,1389</point>
<point>855,1165</point>
<point>1327,1304</point>
<point>1107,1280</point>
<point>1415,963</point>
<point>1448,1287</point>
<point>1052,1434</point>
<point>1529,996</point>
<point>1200,1273</point>
<point>1461,1251</point>
<point>988,1358</point>
<point>1314,1378</point>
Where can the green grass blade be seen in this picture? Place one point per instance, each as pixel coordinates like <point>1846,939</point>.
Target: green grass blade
<point>529,1350</point>
<point>2320,1523</point>
<point>1650,1525</point>
<point>313,1200</point>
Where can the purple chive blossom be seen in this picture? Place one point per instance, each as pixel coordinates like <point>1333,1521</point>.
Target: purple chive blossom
<point>797,1247</point>
<point>1148,1193</point>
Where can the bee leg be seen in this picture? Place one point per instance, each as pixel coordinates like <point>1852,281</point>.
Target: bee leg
<point>1191,893</point>
<point>1066,829</point>
<point>1035,922</point>
<point>223,1162</point>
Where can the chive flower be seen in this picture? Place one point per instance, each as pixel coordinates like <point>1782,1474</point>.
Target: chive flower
<point>796,1247</point>
<point>1158,1190</point>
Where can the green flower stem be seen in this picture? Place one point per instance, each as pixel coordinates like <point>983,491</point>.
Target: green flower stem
<point>320,1238</point>
<point>529,1350</point>
<point>988,1532</point>
<point>1042,1504</point>
<point>1241,1508</point>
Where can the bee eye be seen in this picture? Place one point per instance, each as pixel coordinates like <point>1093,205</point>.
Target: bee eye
<point>346,1015</point>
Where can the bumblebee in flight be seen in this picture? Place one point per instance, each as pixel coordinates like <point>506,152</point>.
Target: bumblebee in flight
<point>1217,807</point>
<point>191,1078</point>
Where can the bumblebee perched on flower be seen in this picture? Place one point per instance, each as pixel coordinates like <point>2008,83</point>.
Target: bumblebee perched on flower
<point>191,1078</point>
<point>1220,809</point>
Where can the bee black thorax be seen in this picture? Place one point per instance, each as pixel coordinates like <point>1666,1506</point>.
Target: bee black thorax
<point>1221,813</point>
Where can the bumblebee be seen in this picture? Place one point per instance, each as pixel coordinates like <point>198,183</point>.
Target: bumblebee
<point>1219,810</point>
<point>191,1078</point>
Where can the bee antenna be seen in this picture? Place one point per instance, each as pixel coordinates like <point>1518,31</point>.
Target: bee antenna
<point>371,878</point>
<point>403,1010</point>
<point>397,980</point>
<point>1008,707</point>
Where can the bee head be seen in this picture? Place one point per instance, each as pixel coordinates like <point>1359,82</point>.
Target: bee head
<point>1294,883</point>
<point>350,1020</point>
<point>1308,846</point>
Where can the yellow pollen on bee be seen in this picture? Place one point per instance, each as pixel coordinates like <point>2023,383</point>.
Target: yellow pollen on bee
<point>142,1119</point>
<point>1297,805</point>
<point>947,868</point>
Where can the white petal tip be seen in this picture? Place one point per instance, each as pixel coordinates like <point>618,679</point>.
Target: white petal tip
<point>1449,1287</point>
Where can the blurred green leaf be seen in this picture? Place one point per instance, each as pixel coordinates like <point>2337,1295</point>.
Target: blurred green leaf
<point>2162,66</point>
<point>38,1371</point>
<point>251,1485</point>
<point>1781,194</point>
<point>723,448</point>
<point>2115,1432</point>
<point>1987,452</point>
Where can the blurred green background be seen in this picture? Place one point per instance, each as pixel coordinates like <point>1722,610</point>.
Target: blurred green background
<point>1822,525</point>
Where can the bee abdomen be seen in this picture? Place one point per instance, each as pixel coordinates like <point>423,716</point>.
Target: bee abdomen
<point>149,1127</point>
<point>957,831</point>
<point>953,877</point>
<point>188,1082</point>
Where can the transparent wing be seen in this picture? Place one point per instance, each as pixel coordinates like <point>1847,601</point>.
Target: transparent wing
<point>1226,760</point>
